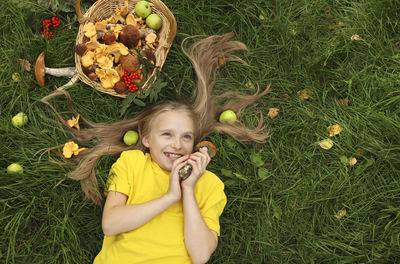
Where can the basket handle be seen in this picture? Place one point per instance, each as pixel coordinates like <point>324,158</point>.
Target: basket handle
<point>78,11</point>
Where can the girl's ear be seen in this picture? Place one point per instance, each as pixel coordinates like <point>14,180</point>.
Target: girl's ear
<point>145,141</point>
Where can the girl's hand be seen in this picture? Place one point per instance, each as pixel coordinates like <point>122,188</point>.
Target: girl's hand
<point>174,190</point>
<point>199,161</point>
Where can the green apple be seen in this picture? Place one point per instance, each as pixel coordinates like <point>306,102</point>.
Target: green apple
<point>130,137</point>
<point>228,116</point>
<point>19,119</point>
<point>143,9</point>
<point>15,168</point>
<point>154,21</point>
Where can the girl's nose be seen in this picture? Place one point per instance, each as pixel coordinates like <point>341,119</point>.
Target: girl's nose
<point>176,144</point>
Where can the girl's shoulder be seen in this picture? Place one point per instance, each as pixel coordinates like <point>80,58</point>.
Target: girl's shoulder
<point>209,179</point>
<point>133,154</point>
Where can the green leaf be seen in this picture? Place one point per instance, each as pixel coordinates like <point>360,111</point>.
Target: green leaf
<point>343,159</point>
<point>363,166</point>
<point>139,102</point>
<point>256,159</point>
<point>227,173</point>
<point>126,103</point>
<point>263,173</point>
<point>240,176</point>
<point>277,210</point>
<point>231,143</point>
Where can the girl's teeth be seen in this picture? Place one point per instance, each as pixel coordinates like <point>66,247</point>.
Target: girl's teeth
<point>174,155</point>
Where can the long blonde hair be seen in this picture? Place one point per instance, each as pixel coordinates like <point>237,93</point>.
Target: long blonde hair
<point>204,55</point>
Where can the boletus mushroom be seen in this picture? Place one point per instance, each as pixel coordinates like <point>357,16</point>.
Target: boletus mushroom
<point>185,172</point>
<point>41,70</point>
<point>130,36</point>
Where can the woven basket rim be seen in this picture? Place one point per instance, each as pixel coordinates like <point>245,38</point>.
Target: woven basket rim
<point>167,34</point>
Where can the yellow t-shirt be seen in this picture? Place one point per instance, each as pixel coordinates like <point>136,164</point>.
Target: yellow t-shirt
<point>161,240</point>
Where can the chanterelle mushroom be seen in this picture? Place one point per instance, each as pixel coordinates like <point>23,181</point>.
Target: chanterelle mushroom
<point>185,172</point>
<point>108,77</point>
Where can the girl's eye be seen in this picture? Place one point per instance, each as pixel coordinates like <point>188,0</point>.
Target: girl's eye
<point>188,137</point>
<point>166,134</point>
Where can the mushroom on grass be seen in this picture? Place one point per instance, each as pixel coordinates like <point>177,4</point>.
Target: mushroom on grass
<point>41,71</point>
<point>185,172</point>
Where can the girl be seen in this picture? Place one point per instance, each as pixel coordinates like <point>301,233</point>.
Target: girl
<point>150,216</point>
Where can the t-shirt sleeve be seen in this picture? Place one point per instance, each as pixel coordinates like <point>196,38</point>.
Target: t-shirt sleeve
<point>213,207</point>
<point>118,178</point>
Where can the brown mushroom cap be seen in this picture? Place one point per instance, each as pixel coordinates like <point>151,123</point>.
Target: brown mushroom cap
<point>80,49</point>
<point>39,69</point>
<point>211,148</point>
<point>130,62</point>
<point>130,36</point>
<point>109,38</point>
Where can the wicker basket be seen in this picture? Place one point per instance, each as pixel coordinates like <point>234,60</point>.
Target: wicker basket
<point>103,9</point>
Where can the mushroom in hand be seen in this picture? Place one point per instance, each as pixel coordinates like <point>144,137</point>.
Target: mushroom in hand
<point>185,172</point>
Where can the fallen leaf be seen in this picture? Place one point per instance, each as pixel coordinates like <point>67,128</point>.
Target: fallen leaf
<point>250,85</point>
<point>74,122</point>
<point>334,130</point>
<point>340,214</point>
<point>304,94</point>
<point>26,64</point>
<point>284,97</point>
<point>351,161</point>
<point>273,112</point>
<point>344,101</point>
<point>356,37</point>
<point>16,76</point>
<point>361,151</point>
<point>326,144</point>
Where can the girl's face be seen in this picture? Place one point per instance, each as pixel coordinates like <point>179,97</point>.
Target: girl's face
<point>171,136</point>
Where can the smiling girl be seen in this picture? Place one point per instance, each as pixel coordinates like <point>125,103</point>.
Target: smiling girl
<point>150,215</point>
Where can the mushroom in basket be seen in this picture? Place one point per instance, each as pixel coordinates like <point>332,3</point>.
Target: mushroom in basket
<point>185,172</point>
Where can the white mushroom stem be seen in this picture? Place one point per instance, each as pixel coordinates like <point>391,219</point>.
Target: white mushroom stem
<point>73,80</point>
<point>41,70</point>
<point>61,72</point>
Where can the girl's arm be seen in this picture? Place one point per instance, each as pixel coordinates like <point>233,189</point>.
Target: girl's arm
<point>119,217</point>
<point>200,240</point>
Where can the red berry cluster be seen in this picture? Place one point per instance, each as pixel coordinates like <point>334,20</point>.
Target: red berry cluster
<point>47,24</point>
<point>130,80</point>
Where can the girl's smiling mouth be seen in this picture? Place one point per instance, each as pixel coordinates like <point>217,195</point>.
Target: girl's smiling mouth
<point>173,156</point>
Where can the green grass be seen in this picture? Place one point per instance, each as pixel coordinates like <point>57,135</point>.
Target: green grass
<point>282,195</point>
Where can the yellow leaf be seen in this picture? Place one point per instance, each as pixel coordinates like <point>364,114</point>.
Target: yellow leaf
<point>326,144</point>
<point>356,37</point>
<point>74,122</point>
<point>344,101</point>
<point>334,130</point>
<point>351,161</point>
<point>341,213</point>
<point>304,94</point>
<point>69,148</point>
<point>250,85</point>
<point>16,76</point>
<point>273,112</point>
